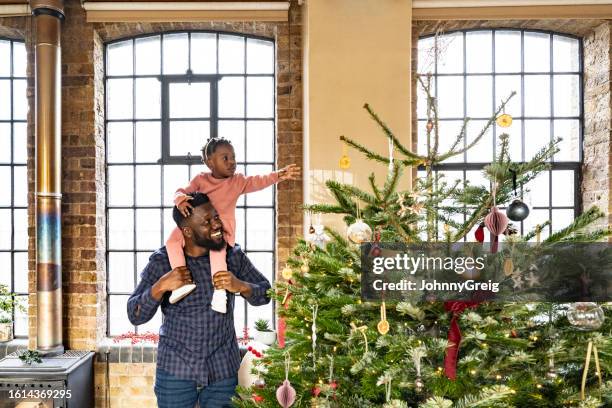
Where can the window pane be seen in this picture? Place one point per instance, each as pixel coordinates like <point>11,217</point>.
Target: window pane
<point>450,59</point>
<point>567,95</point>
<point>148,185</point>
<point>449,130</point>
<point>174,177</point>
<point>479,90</point>
<point>565,54</point>
<point>514,140</point>
<point>117,315</point>
<point>5,229</point>
<point>479,49</point>
<point>20,180</point>
<point>507,51</point>
<point>20,144</point>
<point>120,229</point>
<point>20,59</point>
<point>148,55</point>
<point>561,219</point>
<point>120,272</point>
<point>422,97</point>
<point>260,229</point>
<point>190,100</point>
<point>176,50</point>
<point>569,131</point>
<point>504,86</point>
<point>260,141</point>
<point>240,227</point>
<point>259,312</point>
<point>152,325</point>
<point>5,99</point>
<point>119,98</point>
<point>231,54</point>
<point>21,272</point>
<point>188,137</point>
<point>148,142</point>
<point>148,229</point>
<point>260,97</point>
<point>119,58</point>
<point>6,182</point>
<point>5,271</point>
<point>234,131</point>
<point>263,261</point>
<point>148,98</point>
<point>20,226</point>
<point>537,136</point>
<point>450,97</point>
<point>5,142</point>
<point>21,318</point>
<point>537,95</point>
<point>260,56</point>
<point>119,146</point>
<point>538,191</point>
<point>20,101</point>
<point>537,52</point>
<point>481,152</point>
<point>261,197</point>
<point>562,188</point>
<point>5,55</point>
<point>120,185</point>
<point>169,224</point>
<point>426,55</point>
<point>239,315</point>
<point>231,97</point>
<point>204,53</point>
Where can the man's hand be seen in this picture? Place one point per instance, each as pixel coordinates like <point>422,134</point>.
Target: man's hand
<point>172,280</point>
<point>291,172</point>
<point>226,280</point>
<point>185,207</point>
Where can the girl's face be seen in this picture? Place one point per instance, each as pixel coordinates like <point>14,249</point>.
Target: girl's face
<point>222,162</point>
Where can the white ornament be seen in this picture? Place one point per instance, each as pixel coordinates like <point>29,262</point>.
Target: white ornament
<point>359,232</point>
<point>319,237</point>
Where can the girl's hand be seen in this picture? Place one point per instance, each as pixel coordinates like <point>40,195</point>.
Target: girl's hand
<point>185,208</point>
<point>291,172</point>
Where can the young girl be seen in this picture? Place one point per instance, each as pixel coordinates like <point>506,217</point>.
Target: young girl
<point>223,186</point>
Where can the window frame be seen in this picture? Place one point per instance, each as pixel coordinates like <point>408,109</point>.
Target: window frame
<point>188,161</point>
<point>465,166</point>
<point>12,165</point>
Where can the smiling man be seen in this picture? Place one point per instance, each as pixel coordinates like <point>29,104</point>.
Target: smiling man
<point>198,357</point>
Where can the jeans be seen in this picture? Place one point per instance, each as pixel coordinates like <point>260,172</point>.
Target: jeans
<point>173,392</point>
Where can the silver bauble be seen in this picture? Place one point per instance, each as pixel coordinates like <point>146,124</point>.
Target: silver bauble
<point>585,315</point>
<point>359,232</point>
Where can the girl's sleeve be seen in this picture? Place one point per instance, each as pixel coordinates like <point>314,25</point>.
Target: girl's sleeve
<point>181,194</point>
<point>255,183</point>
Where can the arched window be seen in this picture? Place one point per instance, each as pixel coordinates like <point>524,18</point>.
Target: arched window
<point>472,71</point>
<point>165,95</point>
<point>13,178</point>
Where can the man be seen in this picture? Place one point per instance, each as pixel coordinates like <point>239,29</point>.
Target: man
<point>198,357</point>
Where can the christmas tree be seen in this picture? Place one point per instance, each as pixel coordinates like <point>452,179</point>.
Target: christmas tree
<point>340,351</point>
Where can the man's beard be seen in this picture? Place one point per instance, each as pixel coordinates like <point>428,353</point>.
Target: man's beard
<point>208,243</point>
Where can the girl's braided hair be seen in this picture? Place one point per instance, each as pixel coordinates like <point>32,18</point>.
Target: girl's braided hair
<point>211,145</point>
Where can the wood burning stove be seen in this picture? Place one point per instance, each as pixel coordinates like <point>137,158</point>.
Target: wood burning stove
<point>64,381</point>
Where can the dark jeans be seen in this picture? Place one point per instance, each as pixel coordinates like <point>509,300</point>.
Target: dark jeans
<point>172,392</point>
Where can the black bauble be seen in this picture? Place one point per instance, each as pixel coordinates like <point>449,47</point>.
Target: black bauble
<point>517,210</point>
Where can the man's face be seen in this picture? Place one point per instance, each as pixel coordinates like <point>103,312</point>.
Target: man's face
<point>204,228</point>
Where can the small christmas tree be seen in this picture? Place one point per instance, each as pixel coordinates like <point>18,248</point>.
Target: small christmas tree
<point>349,353</point>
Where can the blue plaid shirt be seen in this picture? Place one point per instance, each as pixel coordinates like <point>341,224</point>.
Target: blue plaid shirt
<point>196,343</point>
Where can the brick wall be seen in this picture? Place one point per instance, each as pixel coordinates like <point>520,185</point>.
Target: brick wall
<point>597,46</point>
<point>83,174</point>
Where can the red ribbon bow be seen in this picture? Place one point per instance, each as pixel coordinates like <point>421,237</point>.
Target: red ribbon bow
<point>454,336</point>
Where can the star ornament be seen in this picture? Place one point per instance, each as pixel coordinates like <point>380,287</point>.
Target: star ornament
<point>517,281</point>
<point>532,280</point>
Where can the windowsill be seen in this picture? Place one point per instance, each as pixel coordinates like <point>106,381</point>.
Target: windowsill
<point>126,352</point>
<point>9,347</point>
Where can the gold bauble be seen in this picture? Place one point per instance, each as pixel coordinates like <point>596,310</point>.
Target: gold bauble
<point>383,327</point>
<point>504,120</point>
<point>345,162</point>
<point>287,273</point>
<point>508,266</point>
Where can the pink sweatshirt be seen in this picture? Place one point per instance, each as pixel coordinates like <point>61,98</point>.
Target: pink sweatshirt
<point>224,194</point>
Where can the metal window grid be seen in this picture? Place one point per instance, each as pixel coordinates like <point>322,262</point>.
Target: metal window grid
<point>13,165</point>
<point>465,166</point>
<point>188,161</point>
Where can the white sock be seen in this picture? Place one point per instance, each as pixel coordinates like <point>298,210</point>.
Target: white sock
<point>219,301</point>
